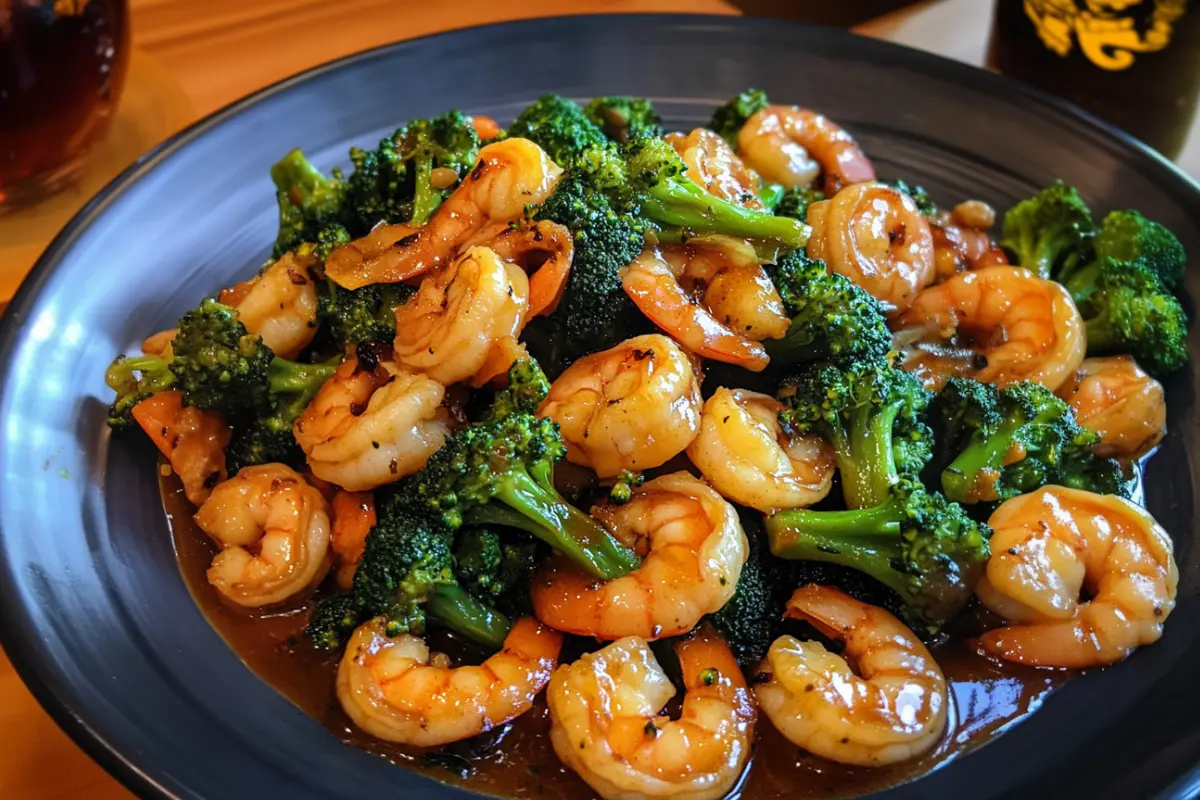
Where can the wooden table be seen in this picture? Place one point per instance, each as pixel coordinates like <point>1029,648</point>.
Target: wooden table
<point>220,50</point>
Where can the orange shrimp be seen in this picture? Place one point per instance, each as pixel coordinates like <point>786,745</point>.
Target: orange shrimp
<point>782,143</point>
<point>194,441</point>
<point>545,251</point>
<point>352,515</point>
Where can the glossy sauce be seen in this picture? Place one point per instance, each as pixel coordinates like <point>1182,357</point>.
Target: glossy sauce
<point>518,760</point>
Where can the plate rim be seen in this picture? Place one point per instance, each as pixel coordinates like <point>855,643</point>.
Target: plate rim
<point>18,635</point>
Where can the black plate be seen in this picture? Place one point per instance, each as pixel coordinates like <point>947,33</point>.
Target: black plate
<point>95,616</point>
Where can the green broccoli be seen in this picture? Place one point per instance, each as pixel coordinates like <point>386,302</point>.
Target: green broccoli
<point>921,197</point>
<point>729,118</point>
<point>832,318</point>
<point>527,388</point>
<point>1048,231</point>
<point>134,378</point>
<point>748,622</point>
<point>595,313</point>
<point>915,542</point>
<point>309,201</point>
<point>561,128</point>
<point>1128,236</point>
<point>622,117</point>
<point>495,566</point>
<point>502,473</point>
<point>367,314</point>
<point>872,414</point>
<point>994,444</point>
<point>1127,309</point>
<point>406,574</point>
<point>794,203</point>
<point>220,367</point>
<point>622,488</point>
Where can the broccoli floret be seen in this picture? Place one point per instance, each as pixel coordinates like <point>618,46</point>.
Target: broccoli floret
<point>871,413</point>
<point>729,118</point>
<point>221,367</point>
<point>309,201</point>
<point>622,117</point>
<point>622,488</point>
<point>392,183</point>
<point>407,570</point>
<point>134,378</point>
<point>832,318</point>
<point>503,474</point>
<point>1048,231</point>
<point>262,441</point>
<point>495,566</point>
<point>366,314</point>
<point>794,203</point>
<point>561,128</point>
<point>998,443</point>
<point>921,197</point>
<point>1127,309</point>
<point>527,388</point>
<point>657,186</point>
<point>329,237</point>
<point>748,622</point>
<point>916,542</point>
<point>595,313</point>
<point>1128,236</point>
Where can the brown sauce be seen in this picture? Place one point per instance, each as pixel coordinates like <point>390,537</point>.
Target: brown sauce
<point>518,760</point>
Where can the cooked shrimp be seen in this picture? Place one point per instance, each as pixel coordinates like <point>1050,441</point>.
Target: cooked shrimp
<point>192,440</point>
<point>633,407</point>
<point>544,250</point>
<point>352,515</point>
<point>693,551</point>
<point>280,305</point>
<point>791,146</point>
<point>874,235</point>
<point>711,295</point>
<point>890,706</point>
<point>371,424</point>
<point>509,175</point>
<point>274,532</point>
<point>606,721</point>
<point>450,329</point>
<point>160,344</point>
<point>1018,325</point>
<point>714,166</point>
<point>961,241</point>
<point>1116,399</point>
<point>396,690</point>
<point>1053,545</point>
<point>744,453</point>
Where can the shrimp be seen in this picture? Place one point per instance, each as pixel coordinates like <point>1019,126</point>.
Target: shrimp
<point>891,706</point>
<point>744,453</point>
<point>193,441</point>
<point>461,319</point>
<point>1053,545</point>
<point>693,548</point>
<point>874,235</point>
<point>396,690</point>
<point>607,725</point>
<point>961,241</point>
<point>1116,399</point>
<point>633,407</point>
<point>712,296</point>
<point>274,532</point>
<point>714,167</point>
<point>161,344</point>
<point>371,423</point>
<point>280,305</point>
<point>352,515</point>
<point>1018,325</point>
<point>545,250</point>
<point>791,146</point>
<point>509,175</point>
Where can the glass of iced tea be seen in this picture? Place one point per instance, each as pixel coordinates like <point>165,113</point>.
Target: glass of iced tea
<point>62,64</point>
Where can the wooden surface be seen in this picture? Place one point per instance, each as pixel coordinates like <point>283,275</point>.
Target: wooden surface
<point>220,50</point>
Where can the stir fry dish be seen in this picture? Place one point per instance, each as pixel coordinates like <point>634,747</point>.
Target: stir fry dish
<point>671,442</point>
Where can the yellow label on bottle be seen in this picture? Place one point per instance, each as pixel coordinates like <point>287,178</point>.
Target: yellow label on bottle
<point>1107,37</point>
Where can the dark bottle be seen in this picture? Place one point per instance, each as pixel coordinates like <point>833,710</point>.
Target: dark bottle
<point>62,63</point>
<point>1134,62</point>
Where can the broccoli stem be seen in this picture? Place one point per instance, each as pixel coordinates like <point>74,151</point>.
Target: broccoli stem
<point>292,377</point>
<point>454,608</point>
<point>426,199</point>
<point>866,539</point>
<point>297,177</point>
<point>868,465</point>
<point>980,458</point>
<point>684,204</point>
<point>531,507</point>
